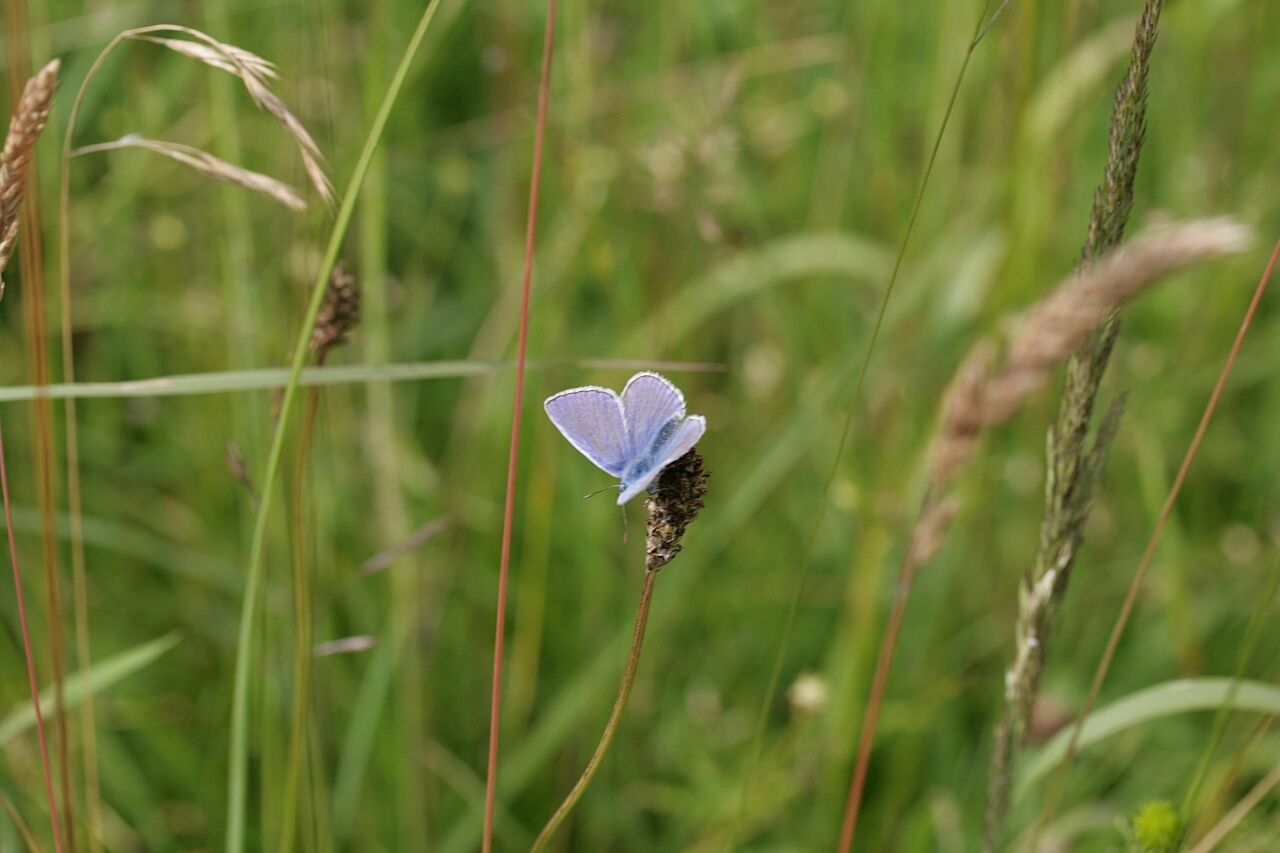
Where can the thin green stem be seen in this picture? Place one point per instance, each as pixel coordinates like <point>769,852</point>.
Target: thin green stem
<point>851,408</point>
<point>893,628</point>
<point>610,727</point>
<point>298,714</point>
<point>1252,633</point>
<point>238,759</point>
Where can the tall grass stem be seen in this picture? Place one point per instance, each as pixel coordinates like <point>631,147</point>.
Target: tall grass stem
<point>238,759</point>
<point>41,736</point>
<point>513,456</point>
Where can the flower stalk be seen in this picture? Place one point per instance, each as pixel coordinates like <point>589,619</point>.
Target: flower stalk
<point>672,506</point>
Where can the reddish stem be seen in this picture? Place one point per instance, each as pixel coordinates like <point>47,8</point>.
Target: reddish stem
<point>875,700</point>
<point>26,649</point>
<point>1131,598</point>
<point>513,458</point>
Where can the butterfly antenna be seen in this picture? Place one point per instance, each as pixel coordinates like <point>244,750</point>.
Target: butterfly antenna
<point>624,523</point>
<point>598,491</point>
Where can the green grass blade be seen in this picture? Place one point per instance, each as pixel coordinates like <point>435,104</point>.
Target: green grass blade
<point>98,678</point>
<point>270,378</point>
<point>749,273</point>
<point>1162,700</point>
<point>238,760</point>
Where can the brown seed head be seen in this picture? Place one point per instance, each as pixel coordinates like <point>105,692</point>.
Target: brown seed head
<point>673,505</point>
<point>339,313</point>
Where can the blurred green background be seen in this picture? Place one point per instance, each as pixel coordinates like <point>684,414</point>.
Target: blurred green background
<point>725,183</point>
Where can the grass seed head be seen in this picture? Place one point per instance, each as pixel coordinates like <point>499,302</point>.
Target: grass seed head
<point>673,506</point>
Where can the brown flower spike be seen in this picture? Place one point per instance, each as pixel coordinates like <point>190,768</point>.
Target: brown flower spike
<point>672,506</point>
<point>339,313</point>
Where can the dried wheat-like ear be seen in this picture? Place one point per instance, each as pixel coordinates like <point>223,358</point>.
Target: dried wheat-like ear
<point>245,61</point>
<point>29,118</point>
<point>206,164</point>
<point>984,394</point>
<point>254,72</point>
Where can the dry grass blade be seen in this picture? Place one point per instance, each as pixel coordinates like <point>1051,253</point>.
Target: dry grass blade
<point>254,72</point>
<point>1055,328</point>
<point>29,119</point>
<point>1241,810</point>
<point>415,540</point>
<point>208,165</point>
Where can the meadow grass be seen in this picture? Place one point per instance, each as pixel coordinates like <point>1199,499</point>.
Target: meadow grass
<point>724,185</point>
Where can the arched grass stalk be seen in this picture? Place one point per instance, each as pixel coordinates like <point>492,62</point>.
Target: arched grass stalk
<point>674,503</point>
<point>238,759</point>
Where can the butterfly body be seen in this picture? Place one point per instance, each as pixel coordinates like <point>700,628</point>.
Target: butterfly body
<point>631,436</point>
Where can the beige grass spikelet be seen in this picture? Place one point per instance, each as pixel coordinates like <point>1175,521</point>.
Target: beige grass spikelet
<point>29,119</point>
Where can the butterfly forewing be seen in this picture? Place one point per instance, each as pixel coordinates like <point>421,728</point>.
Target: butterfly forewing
<point>591,419</point>
<point>651,402</point>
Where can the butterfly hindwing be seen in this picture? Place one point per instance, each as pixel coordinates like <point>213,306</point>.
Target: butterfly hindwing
<point>650,403</point>
<point>591,419</point>
<point>682,440</point>
<point>670,446</point>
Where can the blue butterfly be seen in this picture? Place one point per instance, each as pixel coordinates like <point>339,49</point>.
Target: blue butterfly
<point>632,436</point>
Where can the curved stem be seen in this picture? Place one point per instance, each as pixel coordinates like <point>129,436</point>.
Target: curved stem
<point>879,681</point>
<point>611,727</point>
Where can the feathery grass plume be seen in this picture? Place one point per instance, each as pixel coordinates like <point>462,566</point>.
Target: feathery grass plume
<point>1072,465</point>
<point>983,395</point>
<point>29,118</point>
<point>673,503</point>
<point>206,164</point>
<point>255,73</point>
